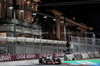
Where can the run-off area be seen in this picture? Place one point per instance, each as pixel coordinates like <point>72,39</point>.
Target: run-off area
<point>83,62</point>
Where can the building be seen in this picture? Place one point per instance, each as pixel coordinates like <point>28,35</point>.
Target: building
<point>17,20</point>
<point>19,26</point>
<point>72,28</point>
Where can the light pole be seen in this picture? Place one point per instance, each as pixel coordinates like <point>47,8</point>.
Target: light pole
<point>64,30</point>
<point>67,45</point>
<point>14,17</point>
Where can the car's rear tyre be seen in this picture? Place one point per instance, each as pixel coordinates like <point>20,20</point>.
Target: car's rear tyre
<point>59,61</point>
<point>53,59</point>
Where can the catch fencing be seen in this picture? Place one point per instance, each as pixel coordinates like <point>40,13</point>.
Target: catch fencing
<point>23,45</point>
<point>84,45</point>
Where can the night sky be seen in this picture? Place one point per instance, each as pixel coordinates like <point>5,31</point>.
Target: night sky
<point>88,14</point>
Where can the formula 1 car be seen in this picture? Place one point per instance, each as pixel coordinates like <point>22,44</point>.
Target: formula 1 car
<point>44,60</point>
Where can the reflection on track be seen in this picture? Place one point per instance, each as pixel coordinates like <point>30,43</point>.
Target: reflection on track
<point>48,64</point>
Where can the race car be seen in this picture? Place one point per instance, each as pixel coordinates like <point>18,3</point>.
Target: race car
<point>45,60</point>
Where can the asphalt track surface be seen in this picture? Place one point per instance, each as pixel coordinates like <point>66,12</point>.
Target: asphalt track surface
<point>24,63</point>
<point>33,62</point>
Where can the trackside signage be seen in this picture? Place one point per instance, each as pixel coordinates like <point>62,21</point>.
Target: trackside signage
<point>27,56</point>
<point>20,56</point>
<point>5,58</point>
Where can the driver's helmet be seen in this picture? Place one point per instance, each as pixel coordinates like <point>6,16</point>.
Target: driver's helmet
<point>48,55</point>
<point>43,56</point>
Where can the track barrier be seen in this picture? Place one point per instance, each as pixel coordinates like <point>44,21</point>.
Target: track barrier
<point>97,55</point>
<point>69,57</point>
<point>27,56</point>
<point>81,56</point>
<point>91,55</point>
<point>78,56</point>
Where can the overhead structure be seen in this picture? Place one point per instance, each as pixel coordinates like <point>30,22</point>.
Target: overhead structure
<point>24,39</point>
<point>69,3</point>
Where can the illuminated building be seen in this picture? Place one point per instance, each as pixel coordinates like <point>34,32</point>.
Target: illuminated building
<point>17,20</point>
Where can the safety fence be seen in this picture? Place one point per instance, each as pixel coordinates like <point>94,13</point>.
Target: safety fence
<point>27,56</point>
<point>84,44</point>
<point>23,45</point>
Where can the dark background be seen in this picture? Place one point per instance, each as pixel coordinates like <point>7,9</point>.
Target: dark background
<point>88,14</point>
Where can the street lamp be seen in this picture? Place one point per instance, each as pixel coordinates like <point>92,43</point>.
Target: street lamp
<point>34,14</point>
<point>21,10</point>
<point>14,17</point>
<point>62,21</point>
<point>54,19</point>
<point>10,7</point>
<point>64,30</point>
<point>45,17</point>
<point>14,20</point>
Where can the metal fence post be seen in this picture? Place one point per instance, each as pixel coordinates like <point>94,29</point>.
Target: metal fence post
<point>52,46</point>
<point>15,46</point>
<point>25,46</point>
<point>92,45</point>
<point>40,46</point>
<point>6,47</point>
<point>46,46</point>
<point>33,43</point>
<point>79,45</point>
<point>86,43</point>
<point>57,48</point>
<point>99,45</point>
<point>33,47</point>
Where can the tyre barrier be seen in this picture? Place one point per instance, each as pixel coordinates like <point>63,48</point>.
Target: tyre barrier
<point>91,55</point>
<point>82,56</point>
<point>78,56</point>
<point>69,57</point>
<point>87,56</point>
<point>97,55</point>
